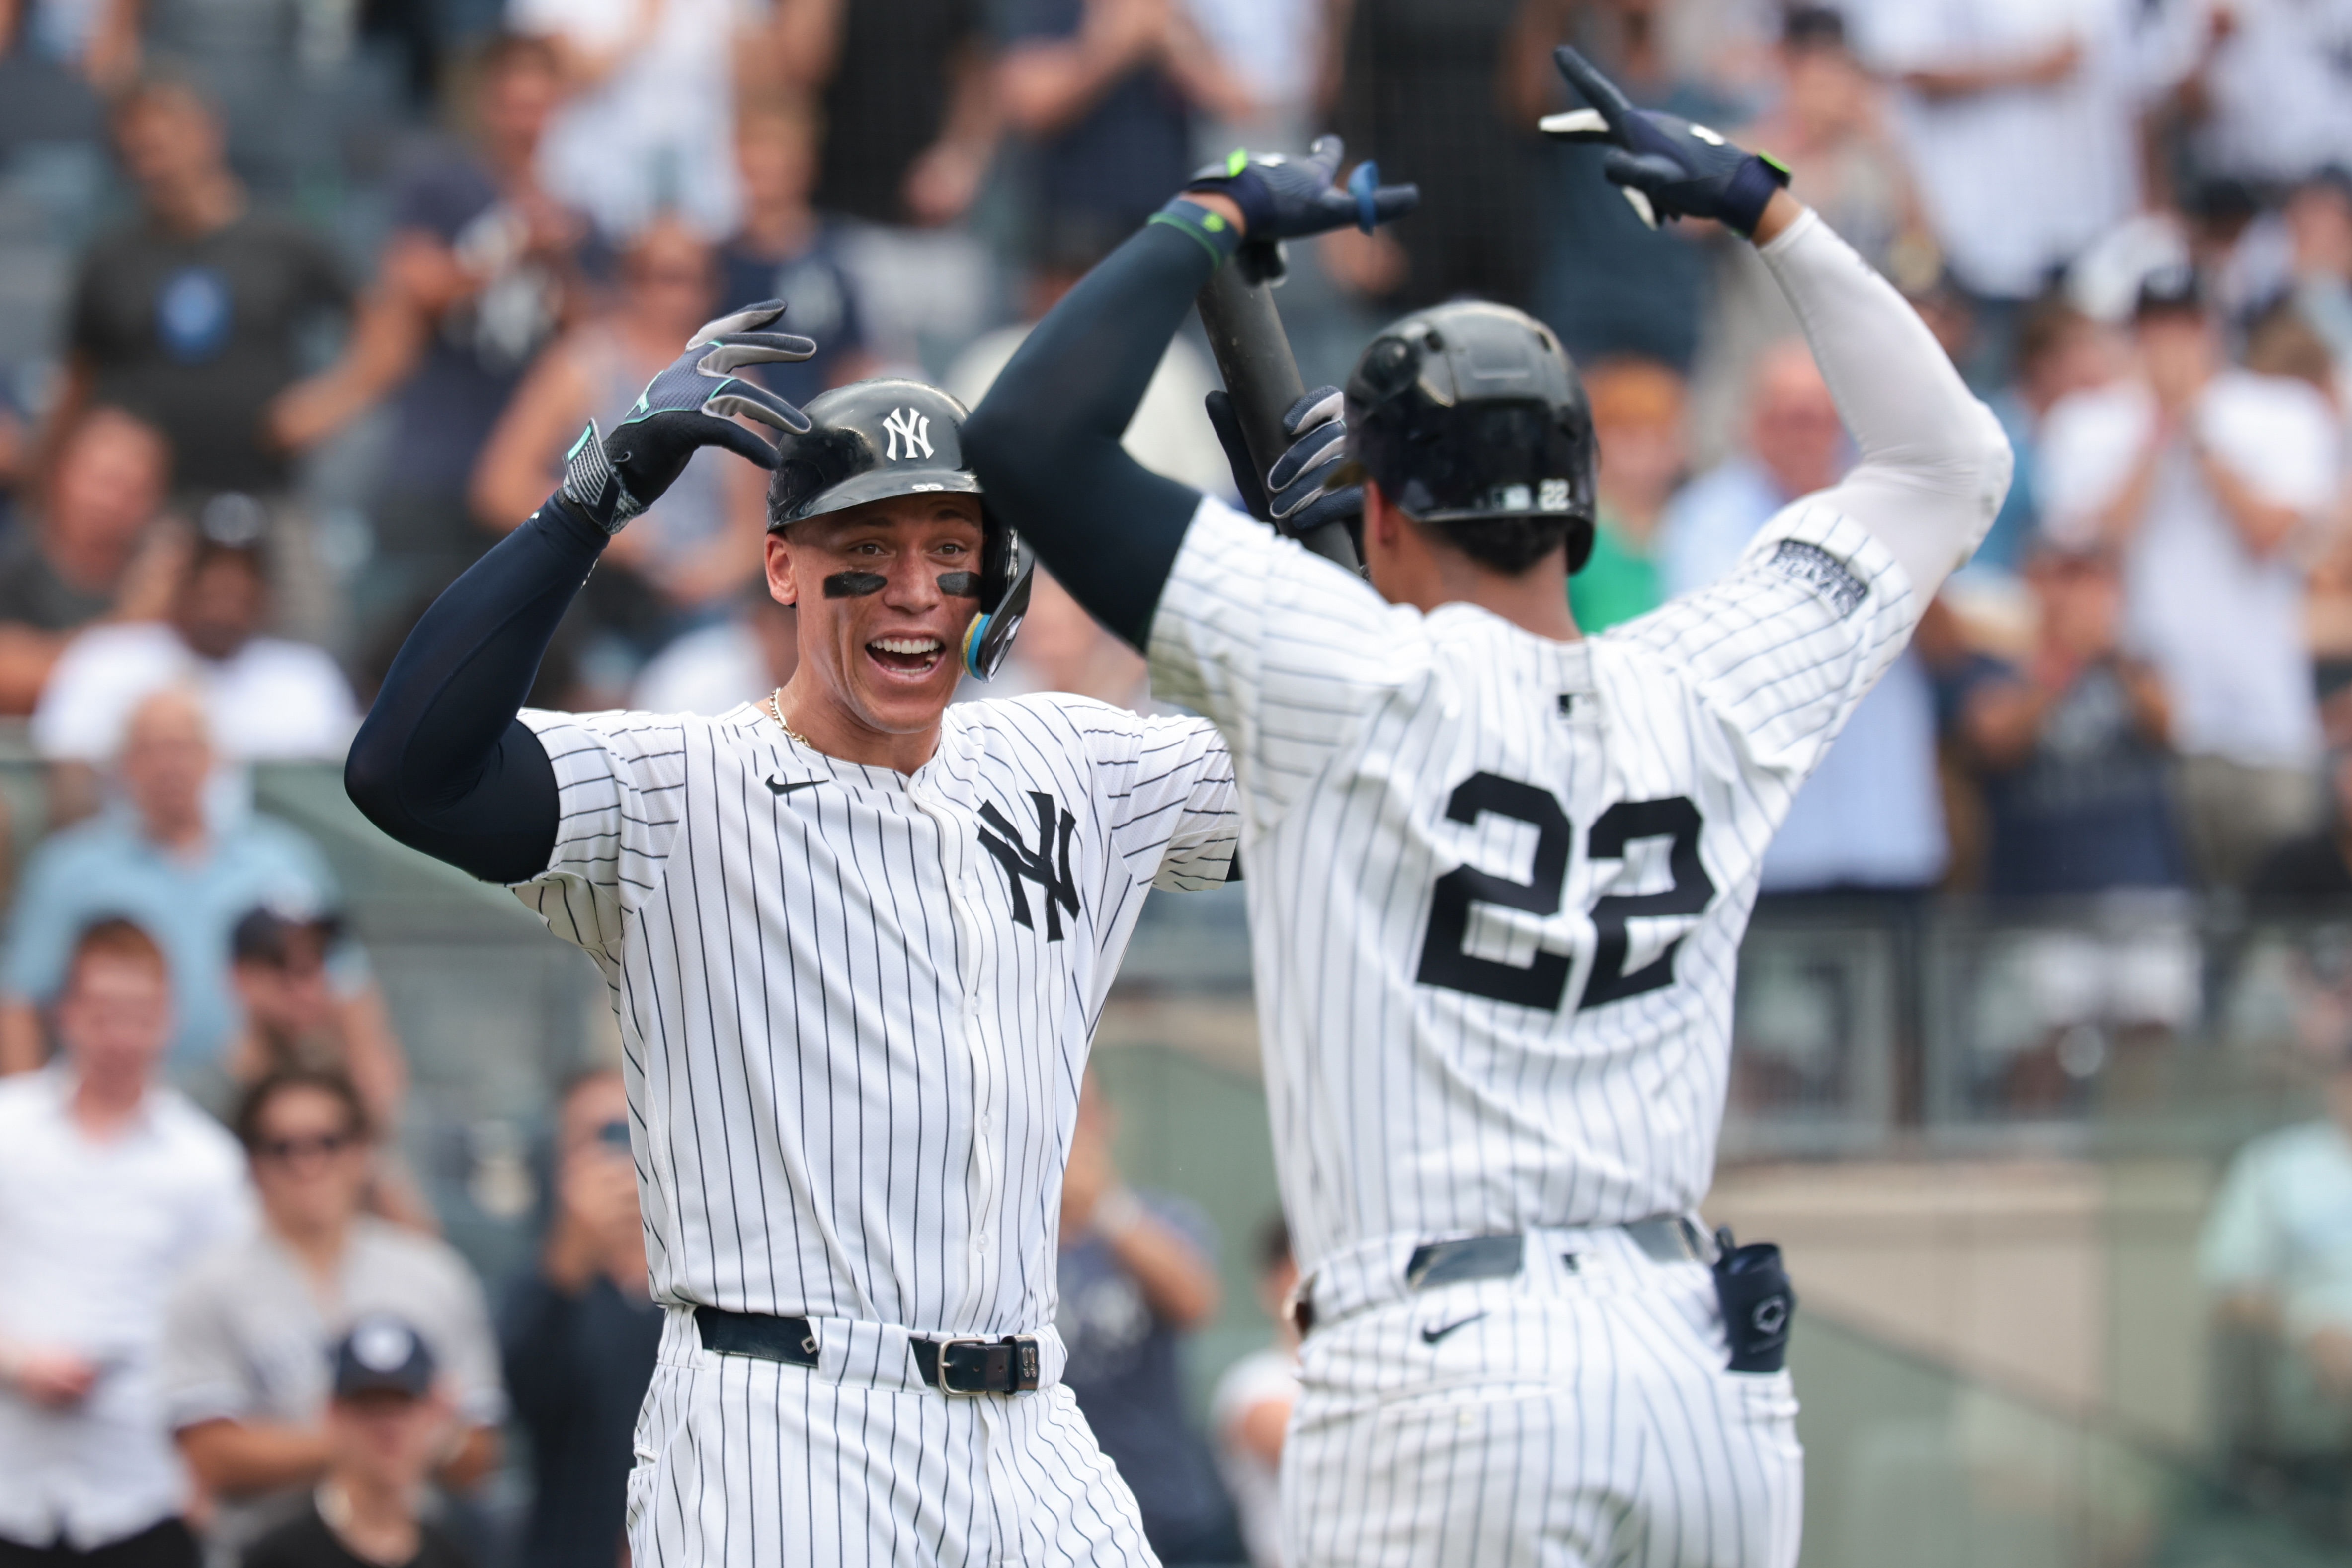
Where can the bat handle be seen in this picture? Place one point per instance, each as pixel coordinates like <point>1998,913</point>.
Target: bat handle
<point>1253,353</point>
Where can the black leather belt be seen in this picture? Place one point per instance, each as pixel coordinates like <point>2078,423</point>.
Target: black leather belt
<point>1007,1365</point>
<point>1665,1238</point>
<point>792,1341</point>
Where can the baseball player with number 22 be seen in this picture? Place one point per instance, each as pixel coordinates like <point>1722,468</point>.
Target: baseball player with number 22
<point>857,942</point>
<point>1499,872</point>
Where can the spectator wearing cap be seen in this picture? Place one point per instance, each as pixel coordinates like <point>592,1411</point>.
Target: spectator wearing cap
<point>97,550</point>
<point>247,1341</point>
<point>168,854</point>
<point>387,1423</point>
<point>269,698</point>
<point>281,961</point>
<point>580,1334</point>
<point>109,1184</point>
<point>2211,483</point>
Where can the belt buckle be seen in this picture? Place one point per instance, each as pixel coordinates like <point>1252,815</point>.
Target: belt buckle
<point>947,1384</point>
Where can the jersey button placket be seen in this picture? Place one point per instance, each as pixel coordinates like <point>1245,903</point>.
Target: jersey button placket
<point>957,835</point>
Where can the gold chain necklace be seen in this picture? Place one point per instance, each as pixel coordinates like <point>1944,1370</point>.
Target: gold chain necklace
<point>777,708</point>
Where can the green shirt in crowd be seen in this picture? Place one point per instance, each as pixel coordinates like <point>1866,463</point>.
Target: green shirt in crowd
<point>1618,584</point>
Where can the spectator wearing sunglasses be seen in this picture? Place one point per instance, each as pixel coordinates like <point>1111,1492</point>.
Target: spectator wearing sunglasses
<point>245,1359</point>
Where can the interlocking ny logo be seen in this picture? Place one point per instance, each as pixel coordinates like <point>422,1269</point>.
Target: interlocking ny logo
<point>913,427</point>
<point>1020,863</point>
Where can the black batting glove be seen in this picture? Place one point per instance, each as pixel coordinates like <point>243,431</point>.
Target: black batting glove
<point>1668,166</point>
<point>1282,197</point>
<point>686,407</point>
<point>1301,496</point>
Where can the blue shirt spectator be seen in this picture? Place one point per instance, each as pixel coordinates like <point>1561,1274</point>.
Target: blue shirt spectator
<point>2072,750</point>
<point>158,858</point>
<point>785,250</point>
<point>1872,815</point>
<point>1111,129</point>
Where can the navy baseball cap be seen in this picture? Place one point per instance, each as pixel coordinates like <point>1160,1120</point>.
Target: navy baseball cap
<point>382,1354</point>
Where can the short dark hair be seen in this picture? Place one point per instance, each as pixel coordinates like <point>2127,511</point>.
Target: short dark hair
<point>331,1081</point>
<point>1508,545</point>
<point>115,936</point>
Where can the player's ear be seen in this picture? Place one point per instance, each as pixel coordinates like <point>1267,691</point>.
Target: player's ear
<point>783,584</point>
<point>1381,521</point>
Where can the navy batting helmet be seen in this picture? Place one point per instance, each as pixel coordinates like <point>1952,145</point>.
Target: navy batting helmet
<point>1472,412</point>
<point>873,439</point>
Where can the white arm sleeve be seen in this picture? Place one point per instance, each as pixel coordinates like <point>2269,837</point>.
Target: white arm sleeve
<point>1934,464</point>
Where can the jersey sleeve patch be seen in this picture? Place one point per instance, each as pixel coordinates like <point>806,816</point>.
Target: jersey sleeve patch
<point>1809,563</point>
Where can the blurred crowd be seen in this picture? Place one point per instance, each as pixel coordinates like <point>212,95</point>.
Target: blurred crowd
<point>301,303</point>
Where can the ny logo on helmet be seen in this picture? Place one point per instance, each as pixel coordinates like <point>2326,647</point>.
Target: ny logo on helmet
<point>913,427</point>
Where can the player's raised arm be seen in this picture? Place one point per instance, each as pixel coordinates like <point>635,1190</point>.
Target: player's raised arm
<point>1045,439</point>
<point>442,764</point>
<point>1934,464</point>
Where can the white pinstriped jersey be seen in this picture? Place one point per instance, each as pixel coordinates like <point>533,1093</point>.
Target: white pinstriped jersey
<point>855,1004</point>
<point>1497,883</point>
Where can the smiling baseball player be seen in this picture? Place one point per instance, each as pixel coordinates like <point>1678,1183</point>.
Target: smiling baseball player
<point>1499,873</point>
<point>857,942</point>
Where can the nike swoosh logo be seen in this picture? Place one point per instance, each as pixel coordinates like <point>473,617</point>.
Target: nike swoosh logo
<point>1431,1336</point>
<point>781,788</point>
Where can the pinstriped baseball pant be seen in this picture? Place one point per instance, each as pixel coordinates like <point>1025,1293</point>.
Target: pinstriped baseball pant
<point>1575,1417</point>
<point>743,1463</point>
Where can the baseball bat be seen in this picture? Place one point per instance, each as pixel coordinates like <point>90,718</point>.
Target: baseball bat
<point>1253,354</point>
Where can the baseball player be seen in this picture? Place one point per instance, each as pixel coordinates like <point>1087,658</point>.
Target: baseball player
<point>1498,873</point>
<point>857,942</point>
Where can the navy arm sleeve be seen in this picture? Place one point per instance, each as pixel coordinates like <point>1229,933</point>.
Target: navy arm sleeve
<point>442,764</point>
<point>1045,439</point>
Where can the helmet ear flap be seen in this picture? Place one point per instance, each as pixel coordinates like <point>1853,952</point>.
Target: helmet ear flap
<point>1580,544</point>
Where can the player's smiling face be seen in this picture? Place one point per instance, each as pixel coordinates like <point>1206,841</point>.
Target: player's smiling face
<point>884,593</point>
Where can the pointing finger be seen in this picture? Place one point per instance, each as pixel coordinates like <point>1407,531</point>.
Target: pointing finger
<point>754,348</point>
<point>1392,202</point>
<point>745,443</point>
<point>1597,90</point>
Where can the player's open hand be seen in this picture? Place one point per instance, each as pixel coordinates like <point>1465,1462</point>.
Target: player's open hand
<point>1282,197</point>
<point>1668,166</point>
<point>690,406</point>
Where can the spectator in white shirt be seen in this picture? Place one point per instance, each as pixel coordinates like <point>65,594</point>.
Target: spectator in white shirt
<point>108,1184</point>
<point>246,1360</point>
<point>649,125</point>
<point>268,699</point>
<point>2213,482</point>
<point>2020,120</point>
<point>710,671</point>
<point>2266,84</point>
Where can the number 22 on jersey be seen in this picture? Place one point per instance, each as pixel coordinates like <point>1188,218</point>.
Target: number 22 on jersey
<point>1544,983</point>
